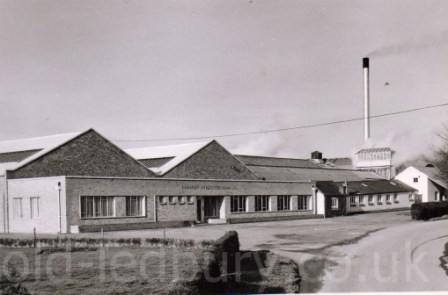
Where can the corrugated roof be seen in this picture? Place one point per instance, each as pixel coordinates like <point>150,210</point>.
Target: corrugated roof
<point>313,174</point>
<point>16,156</point>
<point>44,144</point>
<point>276,162</point>
<point>177,153</point>
<point>375,150</point>
<point>155,163</point>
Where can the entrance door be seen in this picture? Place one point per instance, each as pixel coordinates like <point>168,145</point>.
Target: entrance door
<point>212,206</point>
<point>199,209</point>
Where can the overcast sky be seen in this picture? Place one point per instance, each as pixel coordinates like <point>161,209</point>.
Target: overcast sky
<point>138,69</point>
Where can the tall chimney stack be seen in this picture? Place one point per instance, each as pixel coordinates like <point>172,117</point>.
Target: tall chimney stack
<point>365,66</point>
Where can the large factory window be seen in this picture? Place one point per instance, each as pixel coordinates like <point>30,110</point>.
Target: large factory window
<point>97,206</point>
<point>238,204</point>
<point>261,203</point>
<point>283,203</point>
<point>135,206</point>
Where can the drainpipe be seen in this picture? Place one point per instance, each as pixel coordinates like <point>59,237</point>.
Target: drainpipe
<point>6,203</point>
<point>155,208</point>
<point>59,205</point>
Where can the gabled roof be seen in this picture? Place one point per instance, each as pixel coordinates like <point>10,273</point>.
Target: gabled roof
<point>17,153</point>
<point>172,155</point>
<point>375,150</point>
<point>432,173</point>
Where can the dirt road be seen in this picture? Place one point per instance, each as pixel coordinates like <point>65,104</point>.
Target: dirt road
<point>405,257</point>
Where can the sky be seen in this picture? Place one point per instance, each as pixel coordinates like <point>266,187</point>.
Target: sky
<point>145,73</point>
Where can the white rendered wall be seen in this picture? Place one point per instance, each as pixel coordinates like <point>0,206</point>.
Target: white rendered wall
<point>407,176</point>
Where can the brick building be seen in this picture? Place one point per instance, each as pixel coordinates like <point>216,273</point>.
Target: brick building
<point>83,182</point>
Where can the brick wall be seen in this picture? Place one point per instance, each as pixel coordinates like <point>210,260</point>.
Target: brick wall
<point>212,162</point>
<point>176,211</point>
<point>89,154</point>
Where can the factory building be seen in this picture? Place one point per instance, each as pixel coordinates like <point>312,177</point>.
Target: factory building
<point>82,182</point>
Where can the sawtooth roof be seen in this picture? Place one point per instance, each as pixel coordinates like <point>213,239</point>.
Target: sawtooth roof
<point>16,153</point>
<point>165,158</point>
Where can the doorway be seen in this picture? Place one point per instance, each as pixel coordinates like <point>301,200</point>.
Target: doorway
<point>212,207</point>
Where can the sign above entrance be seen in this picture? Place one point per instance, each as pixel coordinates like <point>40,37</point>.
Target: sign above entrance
<point>209,187</point>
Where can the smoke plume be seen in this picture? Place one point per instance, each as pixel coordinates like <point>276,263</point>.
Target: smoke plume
<point>412,45</point>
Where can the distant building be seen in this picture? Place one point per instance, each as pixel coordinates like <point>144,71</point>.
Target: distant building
<point>425,180</point>
<point>378,160</point>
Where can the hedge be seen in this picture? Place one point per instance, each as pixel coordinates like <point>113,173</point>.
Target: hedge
<point>426,211</point>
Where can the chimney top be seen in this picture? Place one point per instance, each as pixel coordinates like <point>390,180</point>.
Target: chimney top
<point>365,62</point>
<point>316,155</point>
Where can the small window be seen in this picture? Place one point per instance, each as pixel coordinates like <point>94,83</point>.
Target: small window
<point>303,202</point>
<point>283,203</point>
<point>415,179</point>
<point>388,199</point>
<point>334,203</point>
<point>163,200</point>
<point>172,200</point>
<point>370,199</point>
<point>362,200</point>
<point>261,203</point>
<point>396,198</point>
<point>436,195</point>
<point>18,210</point>
<point>190,200</point>
<point>34,207</point>
<point>379,199</point>
<point>411,197</point>
<point>238,204</point>
<point>353,201</point>
<point>182,200</point>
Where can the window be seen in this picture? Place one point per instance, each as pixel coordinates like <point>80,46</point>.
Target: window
<point>238,204</point>
<point>97,206</point>
<point>379,199</point>
<point>370,199</point>
<point>163,200</point>
<point>18,210</point>
<point>396,198</point>
<point>415,179</point>
<point>34,207</point>
<point>172,199</point>
<point>261,203</point>
<point>352,201</point>
<point>182,200</point>
<point>135,206</point>
<point>334,203</point>
<point>283,203</point>
<point>303,202</point>
<point>436,195</point>
<point>362,200</point>
<point>190,200</point>
<point>388,199</point>
<point>411,197</point>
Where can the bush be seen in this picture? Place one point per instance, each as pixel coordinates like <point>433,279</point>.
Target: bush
<point>426,211</point>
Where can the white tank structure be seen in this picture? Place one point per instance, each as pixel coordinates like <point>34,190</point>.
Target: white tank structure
<point>379,160</point>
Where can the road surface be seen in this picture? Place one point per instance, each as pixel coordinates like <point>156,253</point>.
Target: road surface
<point>400,258</point>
